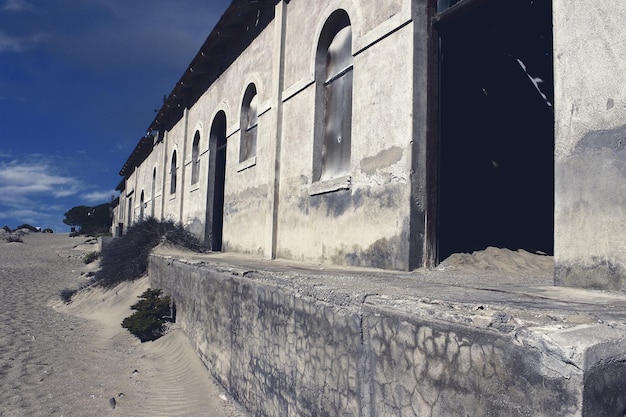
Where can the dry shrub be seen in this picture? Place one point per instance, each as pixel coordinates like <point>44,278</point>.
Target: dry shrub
<point>91,257</point>
<point>66,295</point>
<point>14,238</point>
<point>126,257</point>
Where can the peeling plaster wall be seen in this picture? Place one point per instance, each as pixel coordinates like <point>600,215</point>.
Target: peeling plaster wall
<point>246,205</point>
<point>141,180</point>
<point>367,224</point>
<point>285,349</point>
<point>144,182</point>
<point>590,144</point>
<point>194,207</point>
<point>174,141</point>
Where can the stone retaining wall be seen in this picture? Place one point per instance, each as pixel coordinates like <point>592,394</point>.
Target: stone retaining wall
<point>294,350</point>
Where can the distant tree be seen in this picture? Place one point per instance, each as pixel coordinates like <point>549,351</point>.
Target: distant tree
<point>95,219</point>
<point>77,216</point>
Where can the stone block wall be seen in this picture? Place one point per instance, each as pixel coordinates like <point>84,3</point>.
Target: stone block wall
<point>424,367</point>
<point>284,348</point>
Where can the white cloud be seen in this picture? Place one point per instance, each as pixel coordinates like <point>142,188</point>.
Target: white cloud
<point>16,6</point>
<point>21,182</point>
<point>33,191</point>
<point>9,43</point>
<point>99,197</point>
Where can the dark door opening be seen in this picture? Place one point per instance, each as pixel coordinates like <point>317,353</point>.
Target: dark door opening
<point>217,175</point>
<point>496,172</point>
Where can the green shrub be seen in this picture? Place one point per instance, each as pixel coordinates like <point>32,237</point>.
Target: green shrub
<point>90,257</point>
<point>151,313</point>
<point>126,257</point>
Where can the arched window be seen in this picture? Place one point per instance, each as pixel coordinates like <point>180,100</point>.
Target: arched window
<point>141,206</point>
<point>248,124</point>
<point>195,158</point>
<point>216,182</point>
<point>153,190</point>
<point>333,101</point>
<point>130,211</point>
<point>173,170</point>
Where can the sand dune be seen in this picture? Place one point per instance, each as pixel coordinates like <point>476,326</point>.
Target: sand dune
<point>76,360</point>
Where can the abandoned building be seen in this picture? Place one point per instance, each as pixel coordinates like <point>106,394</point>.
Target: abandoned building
<point>393,134</point>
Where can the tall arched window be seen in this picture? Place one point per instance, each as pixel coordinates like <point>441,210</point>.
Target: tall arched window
<point>333,101</point>
<point>130,211</point>
<point>153,191</point>
<point>173,169</point>
<point>248,124</point>
<point>195,158</point>
<point>141,206</point>
<point>216,182</point>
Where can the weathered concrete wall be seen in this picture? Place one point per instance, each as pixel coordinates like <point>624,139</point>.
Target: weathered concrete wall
<point>141,180</point>
<point>283,348</point>
<point>175,141</point>
<point>330,225</point>
<point>590,144</point>
<point>246,201</point>
<point>273,204</point>
<point>194,207</point>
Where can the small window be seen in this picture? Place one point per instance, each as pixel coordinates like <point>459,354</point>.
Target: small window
<point>173,168</point>
<point>333,77</point>
<point>195,158</point>
<point>249,122</point>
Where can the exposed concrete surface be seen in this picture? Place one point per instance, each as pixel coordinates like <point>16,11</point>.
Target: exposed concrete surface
<point>590,167</point>
<point>302,340</point>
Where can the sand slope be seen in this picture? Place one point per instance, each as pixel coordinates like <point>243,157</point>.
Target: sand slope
<point>58,360</point>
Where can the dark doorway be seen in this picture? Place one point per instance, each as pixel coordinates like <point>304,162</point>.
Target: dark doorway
<point>217,175</point>
<point>496,172</point>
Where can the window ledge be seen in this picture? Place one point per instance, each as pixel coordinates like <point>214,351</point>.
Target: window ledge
<point>250,162</point>
<point>194,187</point>
<point>328,186</point>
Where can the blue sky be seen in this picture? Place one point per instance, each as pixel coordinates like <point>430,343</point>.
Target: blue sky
<point>79,83</point>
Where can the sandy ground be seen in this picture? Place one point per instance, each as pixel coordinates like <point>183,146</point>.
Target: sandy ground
<point>76,360</point>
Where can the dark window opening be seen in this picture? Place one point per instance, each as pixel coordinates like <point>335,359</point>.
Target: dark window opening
<point>333,77</point>
<point>496,171</point>
<point>216,184</point>
<point>195,158</point>
<point>173,168</point>
<point>130,211</point>
<point>153,191</point>
<point>249,122</point>
<point>141,206</point>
